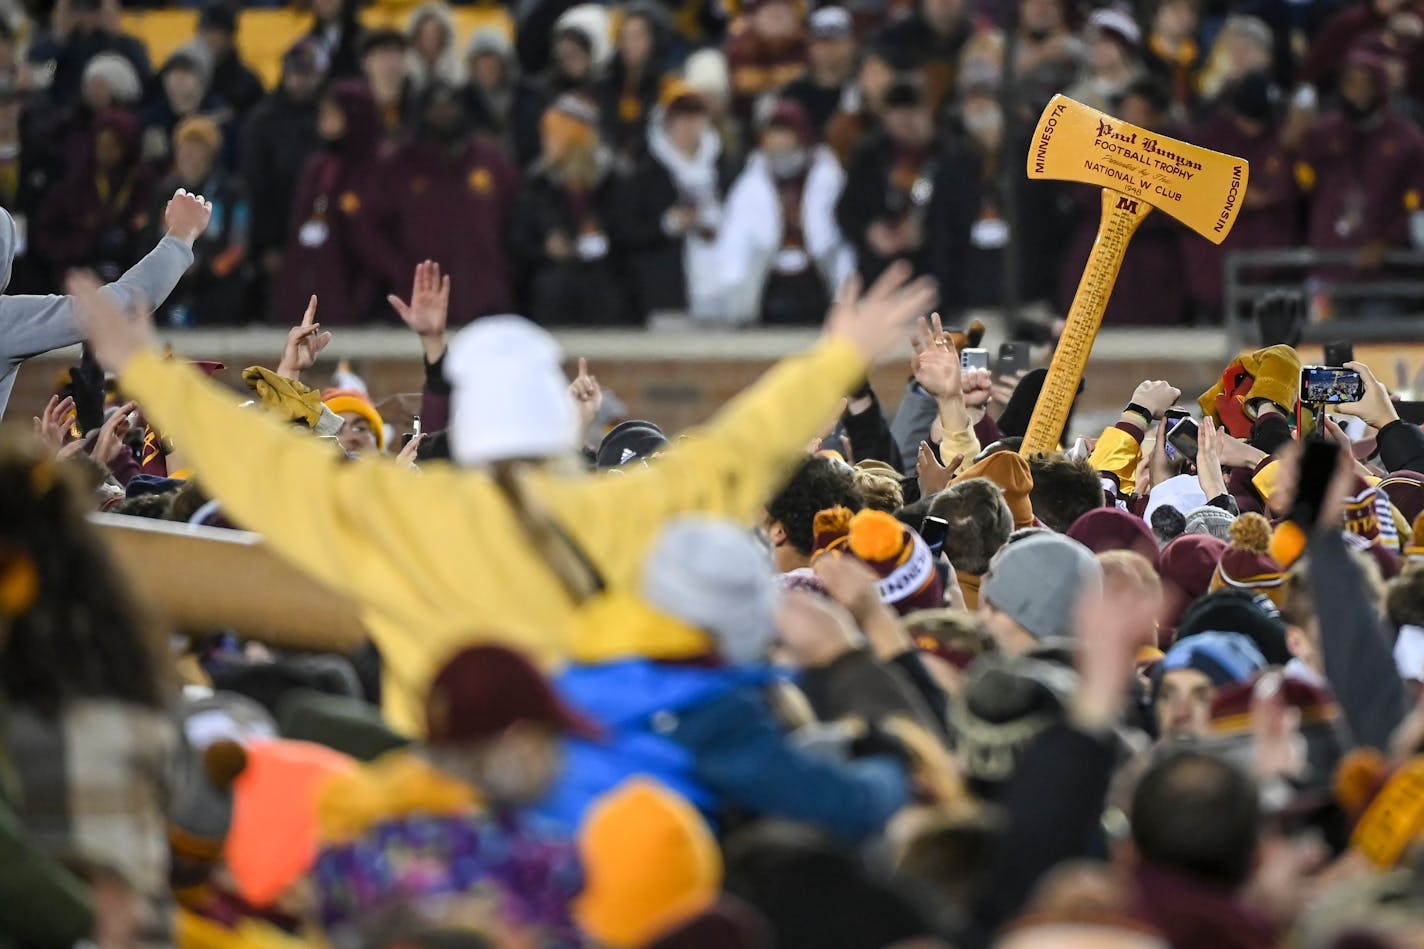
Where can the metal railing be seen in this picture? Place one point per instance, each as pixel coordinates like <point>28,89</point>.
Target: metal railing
<point>1251,274</point>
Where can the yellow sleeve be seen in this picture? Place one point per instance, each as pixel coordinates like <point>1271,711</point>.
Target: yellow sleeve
<point>1118,453</point>
<point>963,442</point>
<point>1265,480</point>
<point>730,468</point>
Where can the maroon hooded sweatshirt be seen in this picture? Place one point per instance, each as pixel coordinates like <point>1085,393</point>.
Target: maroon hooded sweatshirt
<point>322,256</point>
<point>1267,219</point>
<point>425,203</point>
<point>92,220</point>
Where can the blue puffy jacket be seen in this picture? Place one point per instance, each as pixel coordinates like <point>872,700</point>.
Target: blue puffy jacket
<point>709,735</point>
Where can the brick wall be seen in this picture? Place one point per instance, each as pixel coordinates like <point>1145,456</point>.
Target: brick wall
<point>675,381</point>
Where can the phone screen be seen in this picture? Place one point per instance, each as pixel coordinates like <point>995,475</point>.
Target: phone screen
<point>1183,438</point>
<point>1013,357</point>
<point>1330,385</point>
<point>933,531</point>
<point>974,358</point>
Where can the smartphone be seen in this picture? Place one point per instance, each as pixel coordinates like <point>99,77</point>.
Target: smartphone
<point>1183,438</point>
<point>1173,416</point>
<point>974,358</point>
<point>1013,358</point>
<point>1338,352</point>
<point>1329,385</point>
<point>933,531</point>
<point>1317,468</point>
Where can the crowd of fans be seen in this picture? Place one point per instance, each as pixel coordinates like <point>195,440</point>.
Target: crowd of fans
<point>608,164</point>
<point>770,684</point>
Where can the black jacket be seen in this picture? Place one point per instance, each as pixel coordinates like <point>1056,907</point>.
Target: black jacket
<point>870,195</point>
<point>235,84</point>
<point>1359,658</point>
<point>277,139</point>
<point>572,292</point>
<point>1401,446</point>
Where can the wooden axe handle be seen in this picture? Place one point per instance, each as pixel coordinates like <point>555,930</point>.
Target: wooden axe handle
<point>1120,217</point>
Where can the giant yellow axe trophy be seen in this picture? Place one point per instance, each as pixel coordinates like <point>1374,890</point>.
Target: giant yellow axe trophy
<point>1138,170</point>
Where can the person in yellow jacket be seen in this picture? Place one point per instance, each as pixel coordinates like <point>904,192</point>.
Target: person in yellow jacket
<point>442,558</point>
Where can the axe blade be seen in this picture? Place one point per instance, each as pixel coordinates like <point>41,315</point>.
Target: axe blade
<point>1197,186</point>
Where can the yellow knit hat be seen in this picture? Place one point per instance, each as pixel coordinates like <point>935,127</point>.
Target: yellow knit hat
<point>351,400</point>
<point>651,862</point>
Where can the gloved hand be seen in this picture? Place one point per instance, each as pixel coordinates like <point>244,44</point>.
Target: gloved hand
<point>86,386</point>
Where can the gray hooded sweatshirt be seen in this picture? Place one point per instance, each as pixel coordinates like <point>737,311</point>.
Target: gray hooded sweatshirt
<point>35,324</point>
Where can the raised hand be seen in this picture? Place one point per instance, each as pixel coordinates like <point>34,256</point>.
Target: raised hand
<point>428,312</point>
<point>408,453</point>
<point>305,341</point>
<point>110,442</point>
<point>874,322</point>
<point>933,476</point>
<point>936,361</point>
<point>977,385</point>
<point>52,425</point>
<point>1375,407</point>
<point>1156,395</point>
<point>86,382</point>
<point>1209,476</point>
<point>587,395</point>
<point>187,216</point>
<point>851,584</point>
<point>429,308</point>
<point>115,336</point>
<point>1236,453</point>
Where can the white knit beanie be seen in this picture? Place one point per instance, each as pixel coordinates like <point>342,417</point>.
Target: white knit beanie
<point>511,399</point>
<point>713,576</point>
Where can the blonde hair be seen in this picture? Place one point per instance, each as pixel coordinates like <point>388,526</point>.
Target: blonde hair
<point>1130,567</point>
<point>880,491</point>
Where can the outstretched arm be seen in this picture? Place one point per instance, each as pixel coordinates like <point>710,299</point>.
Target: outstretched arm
<point>34,324</point>
<point>732,466</point>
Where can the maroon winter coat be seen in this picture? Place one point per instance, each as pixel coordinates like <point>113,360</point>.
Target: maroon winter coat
<point>1193,915</point>
<point>1365,181</point>
<point>1151,288</point>
<point>1268,215</point>
<point>424,205</point>
<point>322,255</point>
<point>94,221</point>
<point>1338,35</point>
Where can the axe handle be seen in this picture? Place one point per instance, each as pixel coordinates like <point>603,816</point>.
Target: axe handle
<point>1120,217</point>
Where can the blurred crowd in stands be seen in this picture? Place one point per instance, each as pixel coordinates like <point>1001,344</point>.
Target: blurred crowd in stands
<point>609,164</point>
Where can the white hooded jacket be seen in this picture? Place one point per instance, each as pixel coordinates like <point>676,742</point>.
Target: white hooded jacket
<point>751,232</point>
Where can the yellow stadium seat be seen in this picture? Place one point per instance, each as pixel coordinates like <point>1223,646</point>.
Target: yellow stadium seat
<point>264,35</point>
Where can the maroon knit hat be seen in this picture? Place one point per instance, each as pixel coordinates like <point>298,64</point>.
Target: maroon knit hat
<point>1405,489</point>
<point>791,115</point>
<point>485,689</point>
<point>1111,528</point>
<point>1186,566</point>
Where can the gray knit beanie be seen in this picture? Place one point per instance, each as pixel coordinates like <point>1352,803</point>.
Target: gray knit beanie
<point>713,576</point>
<point>1039,582</point>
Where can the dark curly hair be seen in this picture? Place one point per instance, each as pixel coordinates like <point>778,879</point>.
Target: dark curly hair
<point>1063,489</point>
<point>817,485</point>
<point>78,635</point>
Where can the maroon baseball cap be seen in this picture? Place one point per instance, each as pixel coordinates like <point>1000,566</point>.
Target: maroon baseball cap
<point>485,689</point>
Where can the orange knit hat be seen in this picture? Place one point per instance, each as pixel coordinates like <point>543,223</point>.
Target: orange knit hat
<point>651,863</point>
<point>1010,472</point>
<point>569,125</point>
<point>353,400</point>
